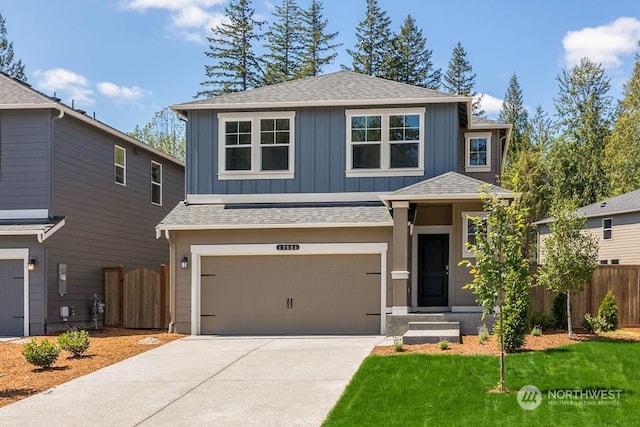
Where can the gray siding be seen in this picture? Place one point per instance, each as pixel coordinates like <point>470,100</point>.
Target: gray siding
<point>24,159</point>
<point>496,156</point>
<point>320,153</point>
<point>106,224</point>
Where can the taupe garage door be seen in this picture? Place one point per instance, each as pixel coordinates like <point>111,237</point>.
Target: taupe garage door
<point>293,294</point>
<point>11,298</point>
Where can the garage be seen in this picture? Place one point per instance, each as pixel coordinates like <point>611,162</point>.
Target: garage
<point>11,297</point>
<point>291,294</point>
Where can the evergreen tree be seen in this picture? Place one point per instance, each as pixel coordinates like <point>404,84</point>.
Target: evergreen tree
<point>284,45</point>
<point>411,61</point>
<point>8,64</point>
<point>372,53</point>
<point>514,112</point>
<point>540,130</point>
<point>235,65</point>
<point>622,151</point>
<point>319,48</point>
<point>460,78</point>
<point>583,110</point>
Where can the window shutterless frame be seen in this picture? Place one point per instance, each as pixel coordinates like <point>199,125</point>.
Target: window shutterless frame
<point>477,152</point>
<point>468,229</point>
<point>607,228</point>
<point>119,165</point>
<point>156,183</point>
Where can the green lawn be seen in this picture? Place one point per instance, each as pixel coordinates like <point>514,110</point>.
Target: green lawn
<point>441,389</point>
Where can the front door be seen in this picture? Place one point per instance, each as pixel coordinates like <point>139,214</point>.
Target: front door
<point>433,270</point>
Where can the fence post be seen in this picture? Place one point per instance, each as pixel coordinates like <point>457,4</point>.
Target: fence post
<point>163,295</point>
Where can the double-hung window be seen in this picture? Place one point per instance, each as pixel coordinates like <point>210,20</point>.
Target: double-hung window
<point>470,231</point>
<point>478,151</point>
<point>256,145</point>
<point>119,165</point>
<point>607,227</point>
<point>388,142</point>
<point>156,183</point>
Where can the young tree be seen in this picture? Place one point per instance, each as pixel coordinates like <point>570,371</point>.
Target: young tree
<point>501,272</point>
<point>372,53</point>
<point>411,60</point>
<point>8,64</point>
<point>318,46</point>
<point>165,131</point>
<point>570,256</point>
<point>460,78</point>
<point>514,112</point>
<point>235,65</point>
<point>284,44</point>
<point>583,110</point>
<point>622,151</point>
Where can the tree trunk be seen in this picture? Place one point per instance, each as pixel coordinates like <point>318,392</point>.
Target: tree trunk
<point>569,314</point>
<point>503,368</point>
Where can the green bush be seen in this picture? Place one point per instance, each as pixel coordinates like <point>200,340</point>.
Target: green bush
<point>542,319</point>
<point>559,310</point>
<point>536,331</point>
<point>608,313</point>
<point>590,323</point>
<point>42,355</point>
<point>483,334</point>
<point>398,344</point>
<point>75,342</point>
<point>443,344</point>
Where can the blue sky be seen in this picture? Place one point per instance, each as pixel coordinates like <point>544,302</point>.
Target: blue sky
<point>126,59</point>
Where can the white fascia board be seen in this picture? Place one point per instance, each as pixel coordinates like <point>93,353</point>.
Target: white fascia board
<point>161,227</point>
<point>435,197</point>
<point>44,236</point>
<point>23,232</point>
<point>219,199</point>
<point>490,126</point>
<point>24,214</point>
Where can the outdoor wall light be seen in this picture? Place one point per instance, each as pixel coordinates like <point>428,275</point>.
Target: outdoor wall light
<point>184,263</point>
<point>32,263</point>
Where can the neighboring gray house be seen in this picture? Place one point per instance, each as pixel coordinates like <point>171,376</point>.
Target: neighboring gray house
<point>75,196</point>
<point>332,204</point>
<point>614,222</point>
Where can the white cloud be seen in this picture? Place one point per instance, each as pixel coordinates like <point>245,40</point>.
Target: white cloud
<point>120,93</point>
<point>490,104</point>
<point>604,44</point>
<point>190,20</point>
<point>66,84</point>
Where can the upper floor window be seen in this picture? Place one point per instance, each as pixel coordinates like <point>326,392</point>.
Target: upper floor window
<point>387,142</point>
<point>156,183</point>
<point>256,145</point>
<point>120,165</point>
<point>478,151</point>
<point>607,226</point>
<point>470,231</point>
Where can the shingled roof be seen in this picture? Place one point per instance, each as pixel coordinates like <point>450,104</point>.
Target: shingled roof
<point>14,92</point>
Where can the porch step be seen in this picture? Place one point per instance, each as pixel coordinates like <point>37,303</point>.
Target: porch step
<point>431,332</point>
<point>421,326</point>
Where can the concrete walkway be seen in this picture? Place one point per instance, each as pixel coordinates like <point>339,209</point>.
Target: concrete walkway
<point>206,381</point>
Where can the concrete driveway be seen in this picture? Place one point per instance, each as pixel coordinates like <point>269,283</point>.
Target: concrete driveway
<point>206,381</point>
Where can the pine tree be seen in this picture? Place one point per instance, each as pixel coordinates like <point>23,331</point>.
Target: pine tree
<point>583,110</point>
<point>319,48</point>
<point>411,61</point>
<point>622,151</point>
<point>8,65</point>
<point>514,112</point>
<point>284,45</point>
<point>236,65</point>
<point>460,78</point>
<point>372,53</point>
<point>540,130</point>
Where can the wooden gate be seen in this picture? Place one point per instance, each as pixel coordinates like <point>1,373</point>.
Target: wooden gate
<point>137,299</point>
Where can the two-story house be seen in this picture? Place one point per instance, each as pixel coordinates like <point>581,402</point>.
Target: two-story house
<point>332,204</point>
<point>75,196</point>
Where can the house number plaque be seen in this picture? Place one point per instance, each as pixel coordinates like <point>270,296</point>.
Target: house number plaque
<point>288,247</point>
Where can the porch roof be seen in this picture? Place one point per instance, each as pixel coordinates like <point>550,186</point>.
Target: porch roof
<point>448,186</point>
<point>42,229</point>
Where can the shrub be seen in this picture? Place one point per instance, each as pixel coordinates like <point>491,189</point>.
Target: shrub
<point>590,323</point>
<point>398,344</point>
<point>541,319</point>
<point>608,313</point>
<point>42,355</point>
<point>559,311</point>
<point>483,334</point>
<point>536,331</point>
<point>75,342</point>
<point>443,344</point>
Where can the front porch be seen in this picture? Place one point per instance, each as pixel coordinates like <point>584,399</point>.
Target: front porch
<point>469,322</point>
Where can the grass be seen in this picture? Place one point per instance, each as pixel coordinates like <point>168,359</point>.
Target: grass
<point>439,389</point>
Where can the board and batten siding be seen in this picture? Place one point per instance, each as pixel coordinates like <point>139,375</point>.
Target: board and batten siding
<point>107,224</point>
<point>24,159</point>
<point>320,154</point>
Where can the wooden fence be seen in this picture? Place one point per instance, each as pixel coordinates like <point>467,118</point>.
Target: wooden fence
<point>622,280</point>
<point>137,299</point>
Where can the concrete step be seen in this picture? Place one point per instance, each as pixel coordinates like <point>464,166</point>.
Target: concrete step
<point>442,325</point>
<point>431,336</point>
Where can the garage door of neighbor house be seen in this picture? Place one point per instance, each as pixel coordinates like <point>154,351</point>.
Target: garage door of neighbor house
<point>293,294</point>
<point>11,297</point>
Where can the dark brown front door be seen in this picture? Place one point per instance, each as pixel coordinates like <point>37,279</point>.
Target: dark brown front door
<point>433,270</point>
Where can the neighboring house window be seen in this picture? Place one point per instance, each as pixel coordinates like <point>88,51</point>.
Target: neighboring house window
<point>478,151</point>
<point>470,231</point>
<point>256,145</point>
<point>604,261</point>
<point>615,261</point>
<point>387,142</point>
<point>120,165</point>
<point>156,183</point>
<point>607,228</point>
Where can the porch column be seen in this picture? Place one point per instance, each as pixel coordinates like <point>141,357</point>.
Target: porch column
<point>400,271</point>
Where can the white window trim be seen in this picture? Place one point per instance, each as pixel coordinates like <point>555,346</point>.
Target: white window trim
<point>476,135</point>
<point>123,166</point>
<point>256,152</point>
<point>385,155</point>
<point>466,253</point>
<point>159,184</point>
<point>610,229</point>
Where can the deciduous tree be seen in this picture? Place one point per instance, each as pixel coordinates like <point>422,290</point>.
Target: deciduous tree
<point>165,131</point>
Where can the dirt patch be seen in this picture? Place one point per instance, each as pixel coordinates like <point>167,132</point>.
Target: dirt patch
<point>470,344</point>
<point>19,379</point>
